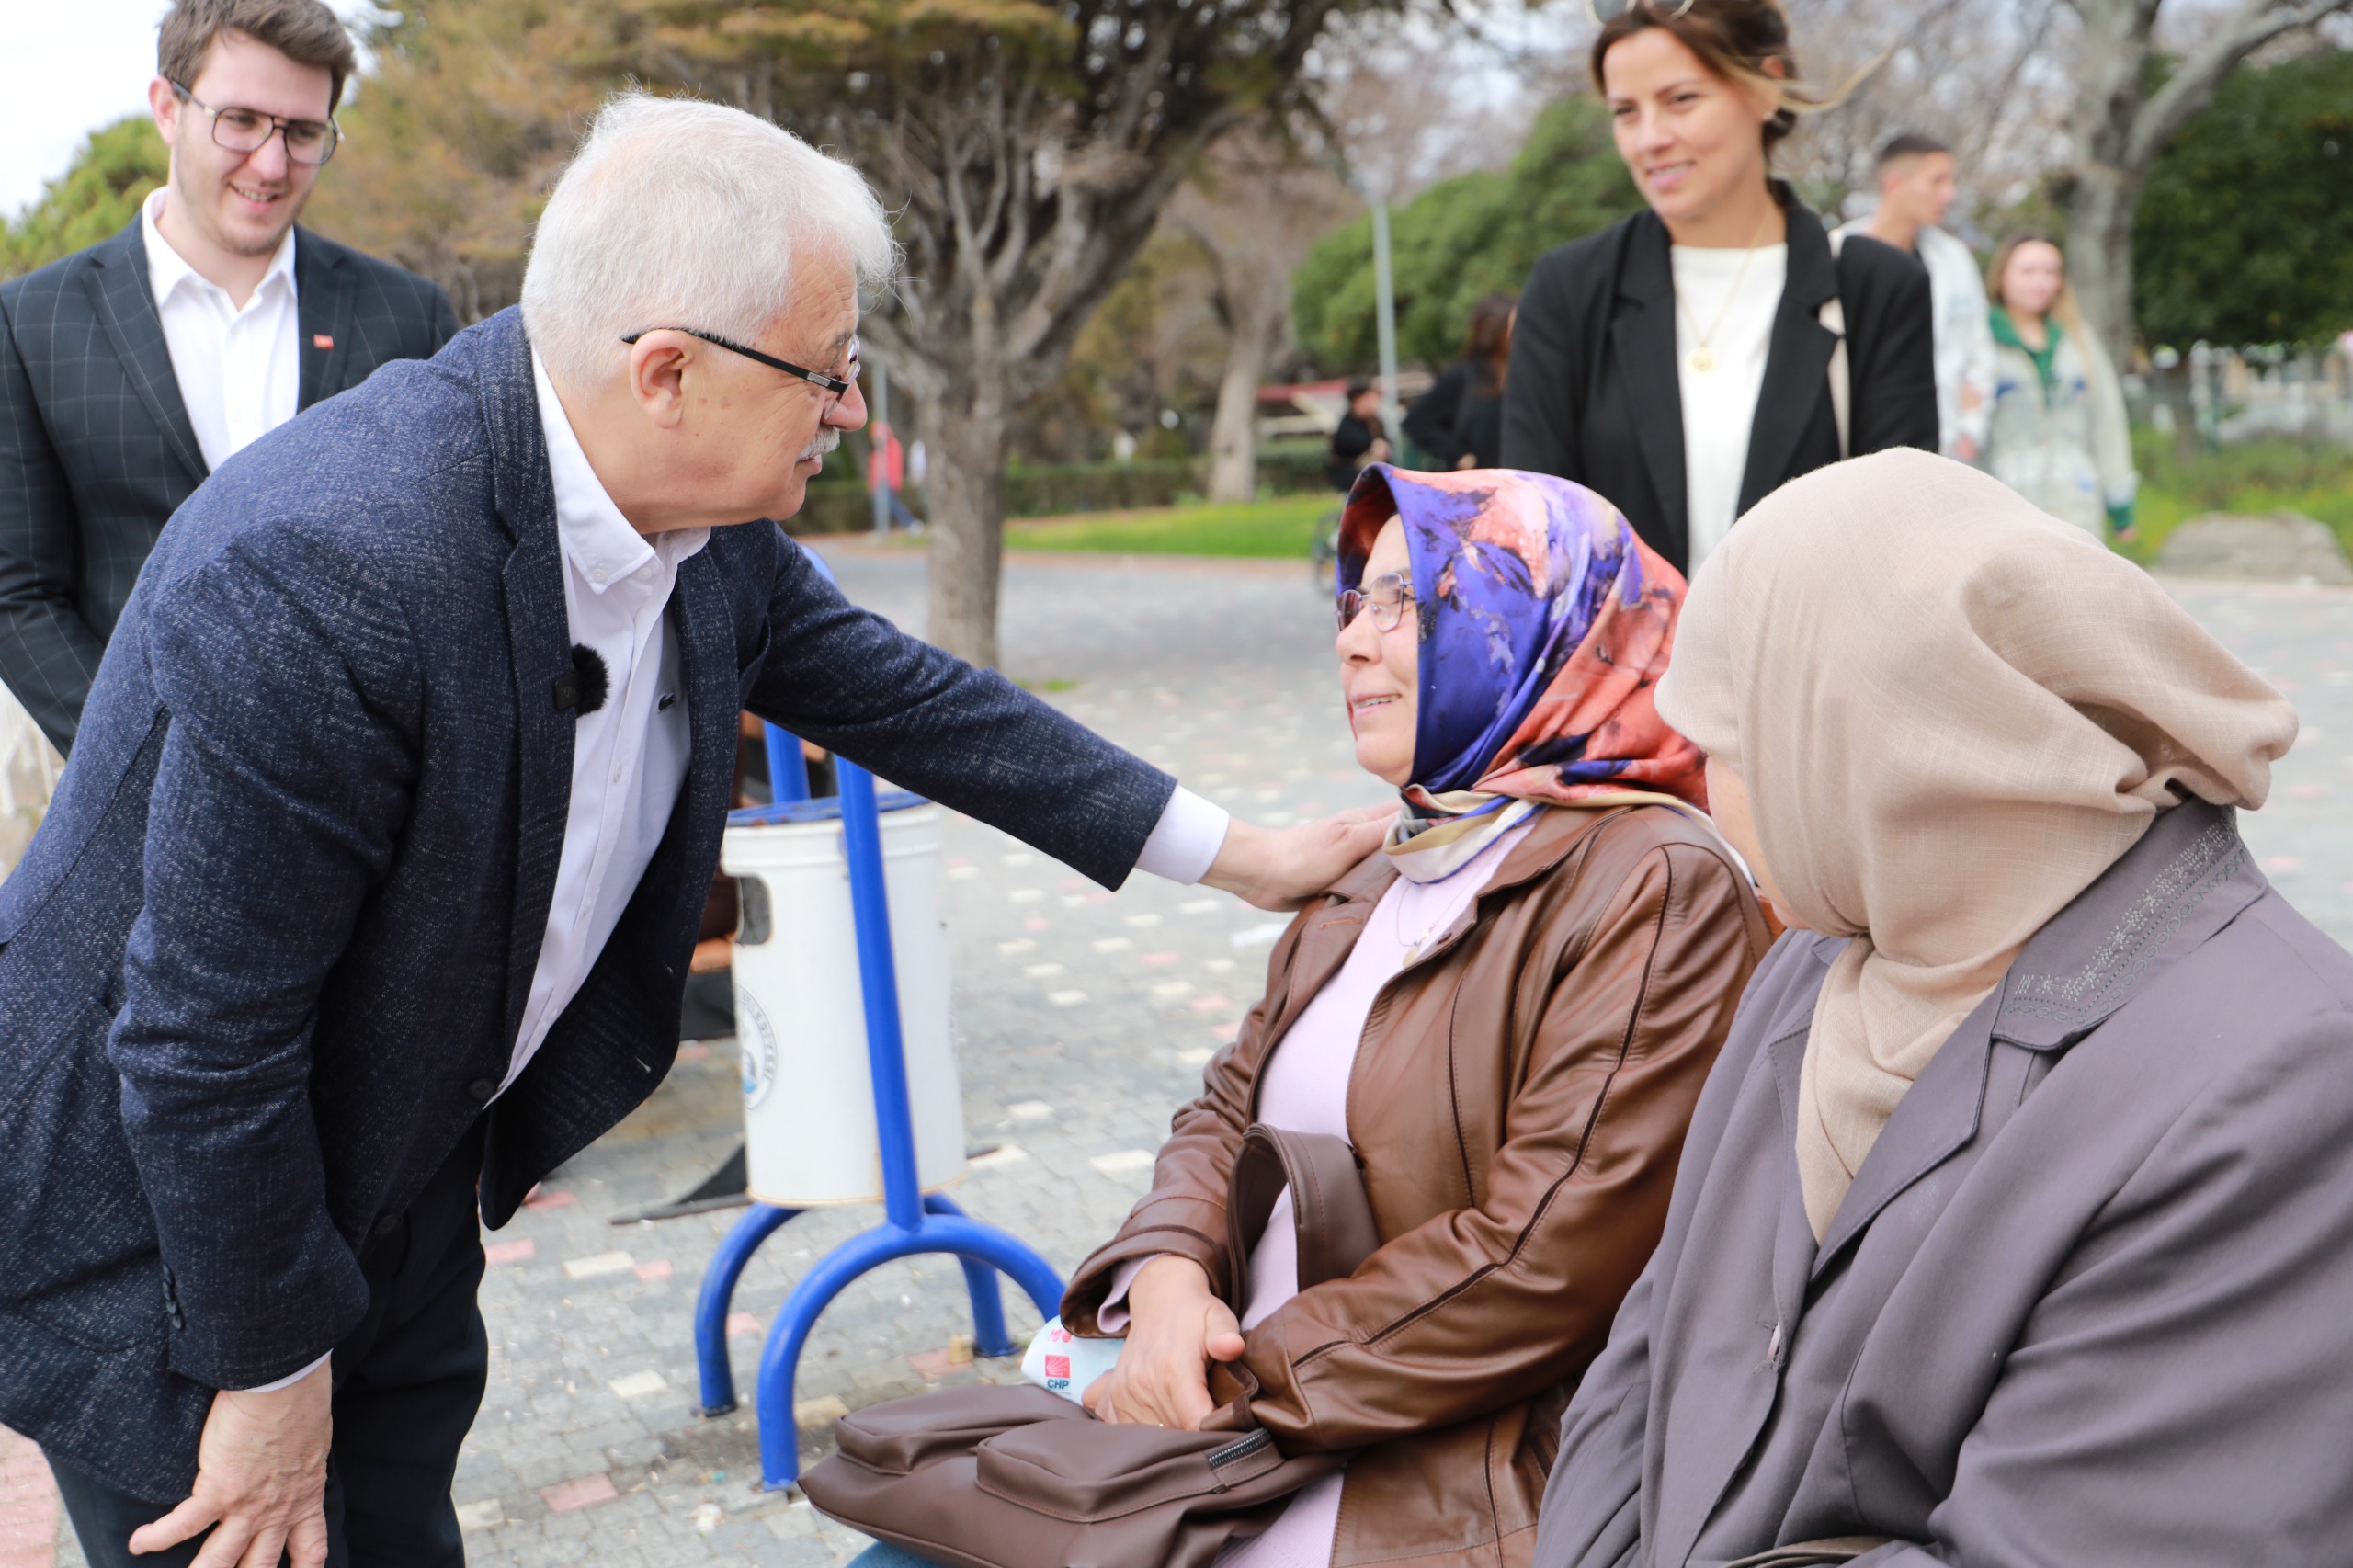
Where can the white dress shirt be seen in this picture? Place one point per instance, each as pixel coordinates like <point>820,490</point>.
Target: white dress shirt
<point>630,755</point>
<point>1711,289</point>
<point>240,371</point>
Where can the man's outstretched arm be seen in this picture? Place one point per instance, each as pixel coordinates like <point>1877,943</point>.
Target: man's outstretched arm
<point>972,740</point>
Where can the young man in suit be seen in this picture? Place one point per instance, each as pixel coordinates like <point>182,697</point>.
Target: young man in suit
<point>368,897</point>
<point>130,370</point>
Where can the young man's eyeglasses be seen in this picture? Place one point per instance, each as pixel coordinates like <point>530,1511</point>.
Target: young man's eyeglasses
<point>309,141</point>
<point>1387,595</point>
<point>833,384</point>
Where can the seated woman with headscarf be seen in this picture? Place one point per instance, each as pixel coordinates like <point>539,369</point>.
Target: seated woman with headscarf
<point>1508,1013</point>
<point>2014,1225</point>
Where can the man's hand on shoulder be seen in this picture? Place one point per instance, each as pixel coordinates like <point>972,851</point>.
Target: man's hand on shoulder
<point>1283,868</point>
<point>261,1481</point>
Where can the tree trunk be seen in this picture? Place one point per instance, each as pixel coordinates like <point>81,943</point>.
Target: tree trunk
<point>1234,434</point>
<point>2100,212</point>
<point>967,524</point>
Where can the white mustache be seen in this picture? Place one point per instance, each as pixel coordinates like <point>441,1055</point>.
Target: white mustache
<point>826,441</point>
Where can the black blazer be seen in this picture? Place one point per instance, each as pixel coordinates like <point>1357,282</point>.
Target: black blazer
<point>1593,394</point>
<point>95,447</point>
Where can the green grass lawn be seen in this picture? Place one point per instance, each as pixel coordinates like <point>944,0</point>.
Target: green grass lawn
<point>2250,478</point>
<point>2258,476</point>
<point>1281,528</point>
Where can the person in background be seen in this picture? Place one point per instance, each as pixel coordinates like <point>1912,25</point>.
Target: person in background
<point>1460,421</point>
<point>1507,1011</point>
<point>1677,361</point>
<point>1916,187</point>
<point>2058,435</point>
<point>1359,439</point>
<point>130,370</point>
<point>2011,1227</point>
<point>886,470</point>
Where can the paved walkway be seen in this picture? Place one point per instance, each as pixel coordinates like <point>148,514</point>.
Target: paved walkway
<point>1083,1021</point>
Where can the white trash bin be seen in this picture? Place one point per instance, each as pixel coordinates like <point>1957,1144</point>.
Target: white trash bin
<point>800,1017</point>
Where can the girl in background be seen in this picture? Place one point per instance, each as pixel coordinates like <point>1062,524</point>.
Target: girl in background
<point>2057,434</point>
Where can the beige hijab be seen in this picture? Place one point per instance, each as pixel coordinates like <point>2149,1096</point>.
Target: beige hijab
<point>1952,713</point>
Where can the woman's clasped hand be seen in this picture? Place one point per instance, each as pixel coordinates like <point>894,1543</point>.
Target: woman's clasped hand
<point>1177,1329</point>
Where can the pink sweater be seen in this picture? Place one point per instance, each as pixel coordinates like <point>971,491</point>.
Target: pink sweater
<point>1305,1089</point>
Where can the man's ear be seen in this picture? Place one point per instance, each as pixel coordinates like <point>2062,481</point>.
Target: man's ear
<point>165,105</point>
<point>659,363</point>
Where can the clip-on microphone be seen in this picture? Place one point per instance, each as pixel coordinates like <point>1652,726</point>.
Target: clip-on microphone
<point>583,691</point>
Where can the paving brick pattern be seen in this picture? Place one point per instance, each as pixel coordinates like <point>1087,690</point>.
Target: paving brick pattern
<point>1083,1021</point>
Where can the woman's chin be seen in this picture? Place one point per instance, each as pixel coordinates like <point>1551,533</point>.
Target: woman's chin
<point>1385,764</point>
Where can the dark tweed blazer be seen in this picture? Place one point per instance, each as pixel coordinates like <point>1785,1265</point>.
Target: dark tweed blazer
<point>264,963</point>
<point>95,447</point>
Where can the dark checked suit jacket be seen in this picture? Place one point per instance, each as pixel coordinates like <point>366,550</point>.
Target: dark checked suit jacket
<point>262,965</point>
<point>95,447</point>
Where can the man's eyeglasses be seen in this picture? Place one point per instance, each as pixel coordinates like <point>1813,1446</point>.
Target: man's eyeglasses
<point>309,141</point>
<point>833,384</point>
<point>1387,595</point>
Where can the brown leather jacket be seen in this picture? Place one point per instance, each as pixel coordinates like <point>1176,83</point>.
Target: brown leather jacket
<point>1518,1103</point>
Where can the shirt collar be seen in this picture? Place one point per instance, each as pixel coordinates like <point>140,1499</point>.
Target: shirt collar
<point>598,542</point>
<point>167,269</point>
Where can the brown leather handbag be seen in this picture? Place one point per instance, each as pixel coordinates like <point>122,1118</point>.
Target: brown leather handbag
<point>1014,1477</point>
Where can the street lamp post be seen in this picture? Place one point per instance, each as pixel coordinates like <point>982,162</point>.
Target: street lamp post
<point>1384,297</point>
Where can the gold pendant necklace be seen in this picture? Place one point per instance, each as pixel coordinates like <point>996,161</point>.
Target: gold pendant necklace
<point>1702,358</point>
<point>1397,929</point>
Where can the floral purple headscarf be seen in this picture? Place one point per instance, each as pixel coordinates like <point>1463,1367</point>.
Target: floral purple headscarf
<point>1545,625</point>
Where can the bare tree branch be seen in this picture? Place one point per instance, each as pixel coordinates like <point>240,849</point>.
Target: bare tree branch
<point>2191,86</point>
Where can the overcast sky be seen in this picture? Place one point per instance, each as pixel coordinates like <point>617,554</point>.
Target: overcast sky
<point>91,61</point>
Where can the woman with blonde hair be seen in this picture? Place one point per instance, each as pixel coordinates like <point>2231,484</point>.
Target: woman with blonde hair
<point>2057,434</point>
<point>1691,358</point>
<point>2011,1227</point>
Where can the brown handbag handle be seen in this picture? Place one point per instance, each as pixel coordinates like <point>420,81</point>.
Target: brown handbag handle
<point>1329,1208</point>
<point>1334,1221</point>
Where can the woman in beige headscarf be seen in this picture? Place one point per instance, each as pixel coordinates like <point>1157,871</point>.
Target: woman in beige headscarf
<point>2012,1223</point>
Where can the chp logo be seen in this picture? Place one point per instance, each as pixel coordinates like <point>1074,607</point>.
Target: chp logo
<point>757,1041</point>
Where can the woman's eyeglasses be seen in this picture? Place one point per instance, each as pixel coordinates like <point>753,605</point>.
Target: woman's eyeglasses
<point>1387,595</point>
<point>1608,11</point>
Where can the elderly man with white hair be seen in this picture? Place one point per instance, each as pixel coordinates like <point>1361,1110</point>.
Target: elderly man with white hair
<point>367,897</point>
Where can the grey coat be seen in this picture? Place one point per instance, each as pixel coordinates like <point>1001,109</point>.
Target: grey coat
<point>2090,1300</point>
